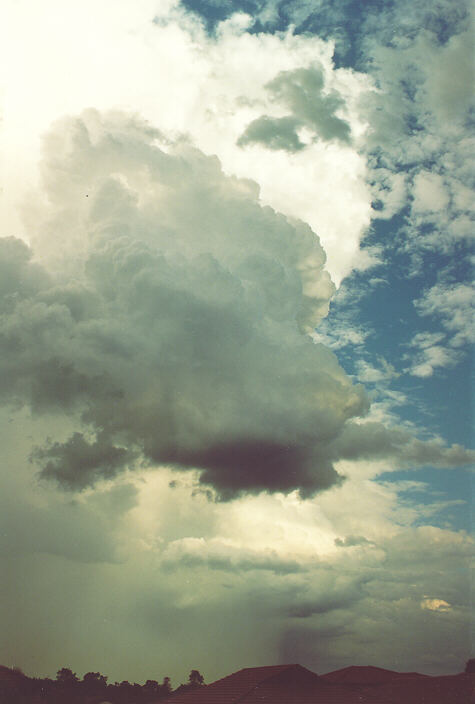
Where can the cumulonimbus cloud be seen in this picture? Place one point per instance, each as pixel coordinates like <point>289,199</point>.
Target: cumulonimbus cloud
<point>166,310</point>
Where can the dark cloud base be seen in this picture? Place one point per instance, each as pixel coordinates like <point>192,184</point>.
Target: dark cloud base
<point>251,467</point>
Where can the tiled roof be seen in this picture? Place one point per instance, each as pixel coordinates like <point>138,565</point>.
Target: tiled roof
<point>366,675</point>
<point>238,687</point>
<point>293,684</point>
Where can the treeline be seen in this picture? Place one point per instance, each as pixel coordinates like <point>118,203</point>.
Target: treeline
<point>67,688</point>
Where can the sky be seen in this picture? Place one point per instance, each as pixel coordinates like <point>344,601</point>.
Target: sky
<point>235,338</point>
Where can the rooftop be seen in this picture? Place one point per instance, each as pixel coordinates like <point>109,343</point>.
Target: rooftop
<point>294,684</point>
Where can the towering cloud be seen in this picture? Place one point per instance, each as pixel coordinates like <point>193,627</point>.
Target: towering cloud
<point>166,310</point>
<point>170,428</point>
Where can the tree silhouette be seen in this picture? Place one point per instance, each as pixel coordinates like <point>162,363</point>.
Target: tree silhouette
<point>94,679</point>
<point>166,686</point>
<point>67,688</point>
<point>195,678</point>
<point>65,676</point>
<point>151,689</point>
<point>470,666</point>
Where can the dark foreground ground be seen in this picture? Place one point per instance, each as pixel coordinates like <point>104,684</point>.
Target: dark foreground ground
<point>283,684</point>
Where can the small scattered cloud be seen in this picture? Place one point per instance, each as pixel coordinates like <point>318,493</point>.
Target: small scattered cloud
<point>432,358</point>
<point>429,193</point>
<point>368,373</point>
<point>273,133</point>
<point>451,303</point>
<point>302,91</point>
<point>78,463</point>
<point>339,336</point>
<point>438,605</point>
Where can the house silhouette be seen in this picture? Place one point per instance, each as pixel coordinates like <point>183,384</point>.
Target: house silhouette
<point>294,684</point>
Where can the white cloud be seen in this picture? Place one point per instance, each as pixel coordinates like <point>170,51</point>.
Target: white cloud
<point>339,336</point>
<point>424,340</point>
<point>430,193</point>
<point>368,373</point>
<point>452,305</point>
<point>449,78</point>
<point>369,258</point>
<point>439,605</point>
<point>432,358</point>
<point>419,116</point>
<point>431,354</point>
<point>183,81</point>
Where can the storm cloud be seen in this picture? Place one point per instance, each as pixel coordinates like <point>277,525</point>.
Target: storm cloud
<point>166,310</point>
<point>183,465</point>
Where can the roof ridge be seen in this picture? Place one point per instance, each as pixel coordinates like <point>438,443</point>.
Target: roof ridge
<point>253,689</point>
<point>270,667</point>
